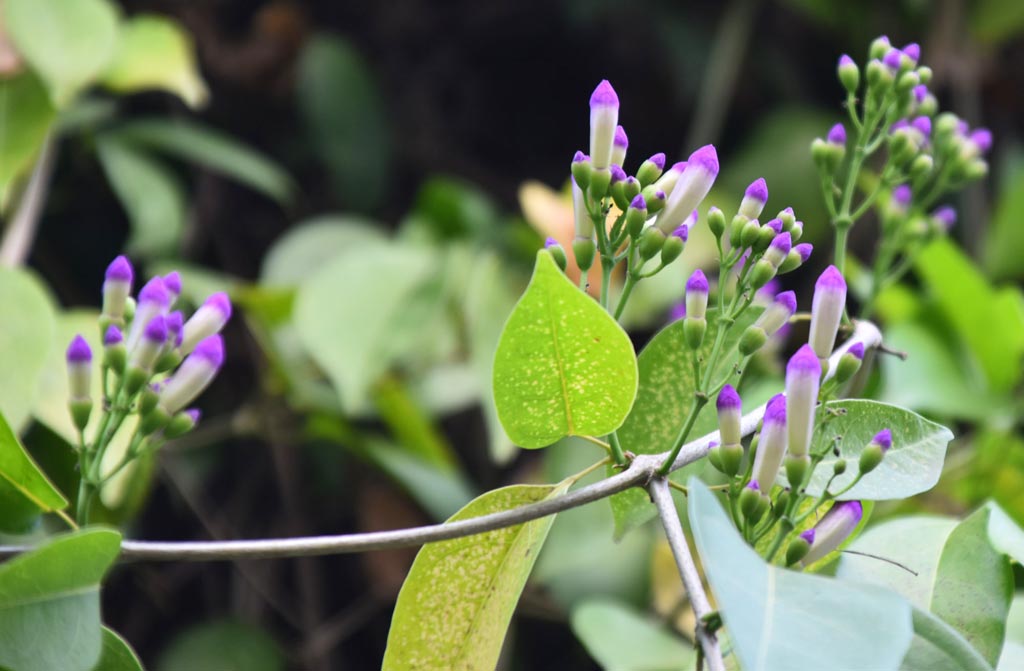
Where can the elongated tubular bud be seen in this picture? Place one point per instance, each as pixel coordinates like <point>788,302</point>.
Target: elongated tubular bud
<point>79,362</point>
<point>771,446</point>
<point>153,300</point>
<point>778,249</point>
<point>172,282</point>
<point>697,295</point>
<point>619,145</point>
<point>193,376</point>
<point>754,199</point>
<point>849,74</point>
<point>834,528</point>
<point>152,342</point>
<point>730,408</point>
<point>651,169</point>
<point>117,286</point>
<point>581,218</point>
<point>826,311</point>
<point>667,182</point>
<point>209,319</point>
<point>604,117</point>
<point>803,374</point>
<point>690,190</point>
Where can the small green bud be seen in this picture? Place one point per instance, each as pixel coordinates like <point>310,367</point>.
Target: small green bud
<point>171,359</point>
<point>792,262</point>
<point>600,179</point>
<point>154,421</point>
<point>870,458</point>
<point>752,340</point>
<point>924,74</point>
<point>921,166</point>
<point>181,423</point>
<point>736,229</point>
<point>655,202</point>
<point>750,502</point>
<point>618,194</point>
<point>693,331</point>
<point>796,470</point>
<point>847,367</point>
<point>797,550</point>
<point>975,169</point>
<point>651,242</point>
<point>787,218</point>
<point>751,232</point>
<point>849,74</point>
<point>134,379</point>
<point>839,467</point>
<point>945,125</point>
<point>80,411</point>
<point>716,222</point>
<point>671,250</point>
<point>583,250</point>
<point>907,81</point>
<point>148,400</point>
<point>581,171</point>
<point>729,458</point>
<point>650,170</point>
<point>762,273</point>
<point>764,238</point>
<point>827,155</point>
<point>929,106</point>
<point>879,47</point>
<point>129,310</point>
<point>635,220</point>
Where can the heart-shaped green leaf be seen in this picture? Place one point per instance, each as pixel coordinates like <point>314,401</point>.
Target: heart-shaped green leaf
<point>563,366</point>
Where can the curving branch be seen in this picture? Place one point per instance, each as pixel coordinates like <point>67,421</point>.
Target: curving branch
<point>662,498</point>
<point>639,474</point>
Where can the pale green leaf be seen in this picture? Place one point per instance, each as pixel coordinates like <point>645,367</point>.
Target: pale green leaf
<point>307,246</point>
<point>663,402</point>
<point>439,491</point>
<point>224,645</point>
<point>117,654</point>
<point>780,619</point>
<point>563,366</point>
<point>353,327</point>
<point>459,596</point>
<point>211,149</point>
<point>150,194</point>
<point>1005,534</point>
<point>1012,657</point>
<point>25,117</point>
<point>50,603</point>
<point>155,52</point>
<point>912,466</point>
<point>67,42</point>
<point>24,342</point>
<point>620,639</point>
<point>960,577</point>
<point>939,647</point>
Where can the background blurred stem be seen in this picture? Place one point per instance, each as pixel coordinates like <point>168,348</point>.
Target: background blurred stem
<point>21,232</point>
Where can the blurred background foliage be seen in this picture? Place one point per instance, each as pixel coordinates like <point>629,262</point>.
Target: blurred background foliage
<point>369,183</point>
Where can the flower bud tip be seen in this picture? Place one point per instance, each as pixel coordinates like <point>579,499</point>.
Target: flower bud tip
<point>79,350</point>
<point>120,270</point>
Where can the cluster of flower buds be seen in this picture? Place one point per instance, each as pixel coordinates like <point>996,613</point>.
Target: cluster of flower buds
<point>156,361</point>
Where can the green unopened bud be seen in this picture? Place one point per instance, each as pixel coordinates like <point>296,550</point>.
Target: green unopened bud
<point>728,458</point>
<point>600,180</point>
<point>929,106</point>
<point>651,242</point>
<point>945,125</point>
<point>154,421</point>
<point>750,233</point>
<point>921,166</point>
<point>134,379</point>
<point>581,171</point>
<point>129,310</point>
<point>975,169</point>
<point>839,467</point>
<point>618,194</point>
<point>879,47</point>
<point>736,229</point>
<point>750,502</point>
<point>80,411</point>
<point>693,331</point>
<point>671,250</point>
<point>713,458</point>
<point>635,220</point>
<point>583,250</point>
<point>870,458</point>
<point>792,262</point>
<point>650,171</point>
<point>764,238</point>
<point>716,222</point>
<point>148,400</point>
<point>752,340</point>
<point>556,252</point>
<point>907,81</point>
<point>787,218</point>
<point>654,198</point>
<point>797,550</point>
<point>781,501</point>
<point>171,359</point>
<point>181,423</point>
<point>847,367</point>
<point>796,470</point>
<point>827,155</point>
<point>762,273</point>
<point>849,74</point>
<point>924,74</point>
<point>883,79</point>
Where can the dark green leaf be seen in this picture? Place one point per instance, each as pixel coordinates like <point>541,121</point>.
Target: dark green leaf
<point>223,645</point>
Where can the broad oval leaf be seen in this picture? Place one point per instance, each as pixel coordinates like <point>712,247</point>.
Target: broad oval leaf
<point>621,639</point>
<point>663,401</point>
<point>458,598</point>
<point>155,52</point>
<point>912,466</point>
<point>939,647</point>
<point>24,342</point>
<point>305,247</point>
<point>563,366</point>
<point>781,619</point>
<point>117,654</point>
<point>50,603</point>
<point>960,577</point>
<point>25,485</point>
<point>68,42</point>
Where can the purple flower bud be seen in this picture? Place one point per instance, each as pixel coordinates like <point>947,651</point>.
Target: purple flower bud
<point>117,285</point>
<point>79,362</point>
<point>754,199</point>
<point>771,446</point>
<point>112,337</point>
<point>946,216</point>
<point>883,439</point>
<point>808,536</point>
<point>551,242</point>
<point>834,528</point>
<point>845,61</point>
<point>604,117</point>
<point>777,313</point>
<point>920,92</point>
<point>146,351</point>
<point>638,203</point>
<point>667,182</point>
<point>194,414</point>
<point>682,232</point>
<point>619,145</point>
<point>658,160</point>
<point>729,408</point>
<point>156,330</point>
<point>837,135</point>
<point>580,157</point>
<point>901,196</point>
<point>693,185</point>
<point>923,124</point>
<point>154,300</point>
<point>618,174</point>
<point>209,319</point>
<point>775,225</point>
<point>753,485</point>
<point>677,312</point>
<point>892,59</point>
<point>983,138</point>
<point>804,249</point>
<point>660,195</point>
<point>856,350</point>
<point>962,128</point>
<point>79,351</point>
<point>193,376</point>
<point>803,374</point>
<point>913,50</point>
<point>778,250</point>
<point>175,323</point>
<point>826,311</point>
<point>697,295</point>
<point>172,282</point>
<point>898,125</point>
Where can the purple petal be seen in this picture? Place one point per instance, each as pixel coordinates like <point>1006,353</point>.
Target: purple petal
<point>79,351</point>
<point>604,96</point>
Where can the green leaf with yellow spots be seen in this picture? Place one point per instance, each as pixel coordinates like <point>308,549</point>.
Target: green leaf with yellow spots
<point>458,598</point>
<point>563,366</point>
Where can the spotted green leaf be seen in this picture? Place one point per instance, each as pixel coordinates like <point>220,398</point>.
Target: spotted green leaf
<point>780,619</point>
<point>458,598</point>
<point>960,577</point>
<point>563,366</point>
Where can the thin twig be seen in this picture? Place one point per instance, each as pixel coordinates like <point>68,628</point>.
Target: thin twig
<point>22,231</point>
<point>639,473</point>
<point>662,497</point>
